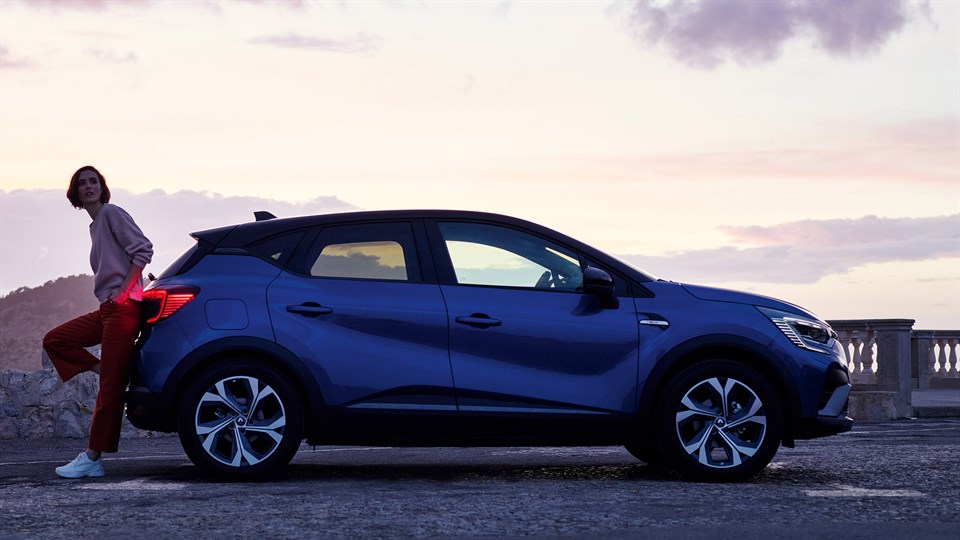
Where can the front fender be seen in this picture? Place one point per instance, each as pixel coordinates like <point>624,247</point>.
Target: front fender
<point>732,347</point>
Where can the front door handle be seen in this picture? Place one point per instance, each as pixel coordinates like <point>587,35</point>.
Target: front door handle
<point>478,319</point>
<point>654,319</point>
<point>310,309</point>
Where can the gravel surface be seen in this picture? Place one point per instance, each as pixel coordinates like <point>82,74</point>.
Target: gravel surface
<point>892,480</point>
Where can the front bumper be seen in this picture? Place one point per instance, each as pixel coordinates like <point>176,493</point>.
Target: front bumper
<point>822,426</point>
<point>831,419</point>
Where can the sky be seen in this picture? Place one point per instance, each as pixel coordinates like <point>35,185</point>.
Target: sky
<point>803,149</point>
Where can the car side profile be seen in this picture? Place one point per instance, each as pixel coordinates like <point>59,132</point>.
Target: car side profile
<point>450,328</point>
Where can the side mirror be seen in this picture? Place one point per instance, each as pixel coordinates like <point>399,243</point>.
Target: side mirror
<point>598,283</point>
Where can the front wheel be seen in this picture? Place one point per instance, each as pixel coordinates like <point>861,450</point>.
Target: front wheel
<point>719,421</point>
<point>240,420</point>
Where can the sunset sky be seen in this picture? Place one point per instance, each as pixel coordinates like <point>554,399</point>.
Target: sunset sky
<point>808,150</point>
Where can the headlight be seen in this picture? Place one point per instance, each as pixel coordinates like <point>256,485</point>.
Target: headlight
<point>804,333</point>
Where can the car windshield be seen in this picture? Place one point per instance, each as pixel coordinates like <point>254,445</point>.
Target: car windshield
<point>647,276</point>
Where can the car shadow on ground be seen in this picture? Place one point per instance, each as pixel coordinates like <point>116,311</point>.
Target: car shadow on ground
<point>298,473</point>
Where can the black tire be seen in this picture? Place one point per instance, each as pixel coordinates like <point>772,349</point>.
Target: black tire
<point>719,421</point>
<point>240,420</point>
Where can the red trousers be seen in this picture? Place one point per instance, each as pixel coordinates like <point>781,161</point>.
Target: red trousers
<point>115,326</point>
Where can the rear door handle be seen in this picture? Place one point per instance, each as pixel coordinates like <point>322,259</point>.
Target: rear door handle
<point>478,319</point>
<point>310,309</point>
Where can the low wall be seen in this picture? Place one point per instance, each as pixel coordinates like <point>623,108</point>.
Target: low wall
<point>37,405</point>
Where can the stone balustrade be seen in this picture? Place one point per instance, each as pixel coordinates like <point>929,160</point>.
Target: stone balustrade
<point>889,358</point>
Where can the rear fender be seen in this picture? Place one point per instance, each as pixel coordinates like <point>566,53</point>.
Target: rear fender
<point>221,351</point>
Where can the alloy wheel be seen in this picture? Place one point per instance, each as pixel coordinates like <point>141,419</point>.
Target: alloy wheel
<point>240,421</point>
<point>721,422</point>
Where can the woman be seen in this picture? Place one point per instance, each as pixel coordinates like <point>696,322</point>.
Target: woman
<point>118,254</point>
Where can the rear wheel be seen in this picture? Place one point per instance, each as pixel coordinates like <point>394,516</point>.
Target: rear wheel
<point>719,421</point>
<point>240,420</point>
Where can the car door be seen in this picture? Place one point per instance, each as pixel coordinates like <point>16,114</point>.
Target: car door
<point>356,309</point>
<point>528,348</point>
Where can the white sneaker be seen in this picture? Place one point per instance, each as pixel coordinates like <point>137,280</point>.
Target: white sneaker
<point>81,466</point>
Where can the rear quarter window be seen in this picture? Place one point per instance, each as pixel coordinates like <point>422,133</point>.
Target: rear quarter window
<point>277,249</point>
<point>180,263</point>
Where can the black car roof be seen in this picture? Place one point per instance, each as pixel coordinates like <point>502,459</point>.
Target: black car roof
<point>244,234</point>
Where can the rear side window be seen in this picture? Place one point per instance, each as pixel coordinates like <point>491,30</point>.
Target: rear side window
<point>363,260</point>
<point>371,251</point>
<point>181,262</point>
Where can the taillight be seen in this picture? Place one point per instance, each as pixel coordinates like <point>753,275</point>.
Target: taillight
<point>160,303</point>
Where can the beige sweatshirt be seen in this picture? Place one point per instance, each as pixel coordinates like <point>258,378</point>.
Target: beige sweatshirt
<point>116,244</point>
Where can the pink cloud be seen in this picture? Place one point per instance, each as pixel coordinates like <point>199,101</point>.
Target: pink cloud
<point>925,151</point>
<point>285,3</point>
<point>103,5</point>
<point>707,34</point>
<point>806,251</point>
<point>357,45</point>
<point>11,61</point>
<point>86,5</point>
<point>112,57</point>
<point>873,230</point>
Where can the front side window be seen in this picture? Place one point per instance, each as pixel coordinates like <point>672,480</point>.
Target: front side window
<point>376,251</point>
<point>500,256</point>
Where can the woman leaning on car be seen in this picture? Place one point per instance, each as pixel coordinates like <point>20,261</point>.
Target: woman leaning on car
<point>118,254</point>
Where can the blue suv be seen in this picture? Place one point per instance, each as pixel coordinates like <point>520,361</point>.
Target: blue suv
<point>444,328</point>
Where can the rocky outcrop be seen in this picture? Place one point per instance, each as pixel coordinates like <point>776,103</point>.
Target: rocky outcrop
<point>38,405</point>
<point>27,314</point>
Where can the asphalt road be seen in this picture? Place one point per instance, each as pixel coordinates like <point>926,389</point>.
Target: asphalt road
<point>892,480</point>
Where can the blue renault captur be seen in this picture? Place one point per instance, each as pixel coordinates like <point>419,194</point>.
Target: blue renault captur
<point>448,328</point>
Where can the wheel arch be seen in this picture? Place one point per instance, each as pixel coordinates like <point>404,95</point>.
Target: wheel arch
<point>729,347</point>
<point>223,349</point>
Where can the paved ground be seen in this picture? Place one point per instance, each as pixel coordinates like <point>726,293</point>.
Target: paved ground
<point>893,480</point>
<point>935,398</point>
<point>936,403</point>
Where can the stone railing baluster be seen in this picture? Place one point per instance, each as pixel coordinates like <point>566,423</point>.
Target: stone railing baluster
<point>954,371</point>
<point>941,367</point>
<point>856,367</point>
<point>869,361</point>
